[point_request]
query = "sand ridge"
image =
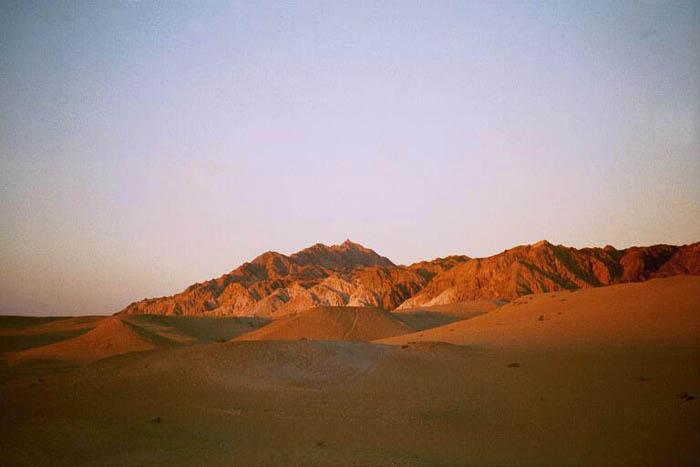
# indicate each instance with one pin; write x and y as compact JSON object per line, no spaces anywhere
{"x":103,"y":337}
{"x":661,"y":311}
{"x":612,"y":380}
{"x":332,"y":323}
{"x":112,"y":336}
{"x":312,"y":403}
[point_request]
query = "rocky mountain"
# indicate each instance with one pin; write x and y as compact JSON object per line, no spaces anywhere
{"x":349,"y":274}
{"x":544,"y":267}
{"x":274,"y":284}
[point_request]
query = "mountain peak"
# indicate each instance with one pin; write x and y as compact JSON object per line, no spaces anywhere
{"x":350,"y":274}
{"x":350,"y":245}
{"x":347,"y":254}
{"x":267,"y":256}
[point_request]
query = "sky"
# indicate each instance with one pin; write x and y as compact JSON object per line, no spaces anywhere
{"x":148,"y":145}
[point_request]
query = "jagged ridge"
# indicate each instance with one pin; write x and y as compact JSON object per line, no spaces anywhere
{"x":274,"y":284}
{"x":544,"y":267}
{"x":349,"y":274}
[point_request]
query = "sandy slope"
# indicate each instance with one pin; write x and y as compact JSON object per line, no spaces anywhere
{"x":191,"y":330}
{"x":20,"y":332}
{"x":433,"y":316}
{"x":609,"y":381}
{"x":467,"y":309}
{"x":10,"y":325}
{"x":661,"y":311}
{"x":332,"y":323}
{"x":95,"y":338}
{"x":111,"y":336}
{"x":355,"y":403}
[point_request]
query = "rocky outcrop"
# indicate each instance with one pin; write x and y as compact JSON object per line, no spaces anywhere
{"x":544,"y":267}
{"x":349,"y":274}
{"x":274,"y":284}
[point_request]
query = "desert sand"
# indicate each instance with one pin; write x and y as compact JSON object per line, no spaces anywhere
{"x":598,"y":376}
{"x":332,"y":324}
{"x":658,"y":312}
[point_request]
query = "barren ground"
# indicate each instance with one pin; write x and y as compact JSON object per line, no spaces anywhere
{"x":606,"y":377}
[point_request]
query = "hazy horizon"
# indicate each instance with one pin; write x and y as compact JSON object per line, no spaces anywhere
{"x":145,"y":146}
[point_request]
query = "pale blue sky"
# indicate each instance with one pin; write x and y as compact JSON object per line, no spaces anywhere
{"x":147,"y":145}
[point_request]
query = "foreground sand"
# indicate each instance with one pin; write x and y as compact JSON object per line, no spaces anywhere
{"x":661,"y":312}
{"x":511,"y":394}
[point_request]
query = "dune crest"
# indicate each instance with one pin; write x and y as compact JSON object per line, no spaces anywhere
{"x":663,"y":311}
{"x":112,"y":336}
{"x":332,"y":324}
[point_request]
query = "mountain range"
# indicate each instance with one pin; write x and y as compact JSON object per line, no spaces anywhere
{"x":349,"y":274}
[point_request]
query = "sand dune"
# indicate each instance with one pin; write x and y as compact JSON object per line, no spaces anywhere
{"x":332,"y":323}
{"x":19,"y":332}
{"x":112,"y":336}
{"x":607,"y":376}
{"x":661,"y":311}
{"x":427,"y":317}
{"x":190,"y":330}
{"x":94,"y":338}
{"x":10,"y":325}
{"x":466,"y":309}
{"x":306,"y":403}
